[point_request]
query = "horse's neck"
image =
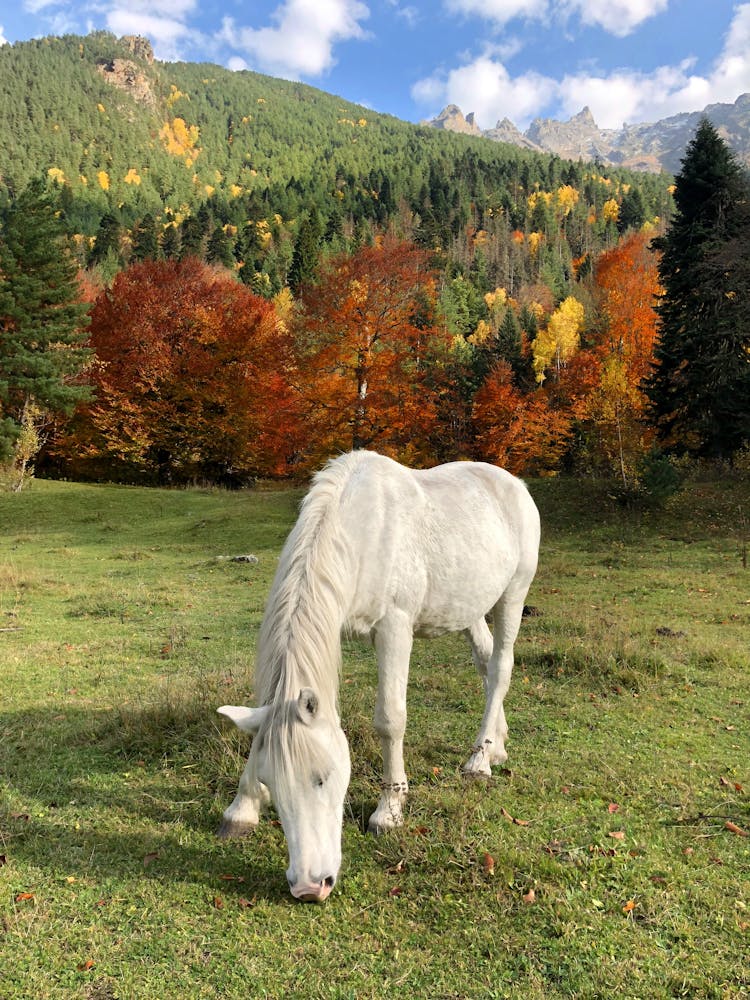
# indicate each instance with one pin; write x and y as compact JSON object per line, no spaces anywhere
{"x":299,"y":643}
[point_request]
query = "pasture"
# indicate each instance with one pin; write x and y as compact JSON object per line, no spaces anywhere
{"x":608,"y":858}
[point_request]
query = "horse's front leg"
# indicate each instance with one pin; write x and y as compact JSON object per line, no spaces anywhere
{"x":241,"y":817}
{"x":393,"y":642}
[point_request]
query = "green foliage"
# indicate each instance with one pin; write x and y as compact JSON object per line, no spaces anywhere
{"x":700,"y":389}
{"x":42,"y":321}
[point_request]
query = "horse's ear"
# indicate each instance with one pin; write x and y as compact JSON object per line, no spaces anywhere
{"x":307,"y":705}
{"x":249,"y":720}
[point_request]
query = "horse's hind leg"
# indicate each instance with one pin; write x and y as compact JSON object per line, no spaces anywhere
{"x":393,"y":642}
{"x":489,"y":747}
{"x":480,"y":638}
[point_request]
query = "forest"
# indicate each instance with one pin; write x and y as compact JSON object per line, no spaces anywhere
{"x":235,"y":276}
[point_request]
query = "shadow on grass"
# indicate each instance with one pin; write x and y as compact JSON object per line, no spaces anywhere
{"x":77,"y":798}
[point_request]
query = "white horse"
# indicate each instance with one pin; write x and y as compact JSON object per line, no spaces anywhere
{"x":388,"y":552}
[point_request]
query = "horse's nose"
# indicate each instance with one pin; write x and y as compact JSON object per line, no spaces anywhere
{"x":313,"y":892}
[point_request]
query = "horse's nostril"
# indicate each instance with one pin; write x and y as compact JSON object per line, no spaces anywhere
{"x":329,"y":881}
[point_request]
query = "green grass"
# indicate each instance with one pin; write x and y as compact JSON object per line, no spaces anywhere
{"x":629,"y":713}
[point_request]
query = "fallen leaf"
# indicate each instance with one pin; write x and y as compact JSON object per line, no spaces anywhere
{"x":488,"y":863}
{"x":436,"y":771}
{"x":397,"y":868}
{"x":70,"y":879}
{"x":149,"y":858}
{"x":513,"y":819}
{"x":218,"y":903}
{"x":22,"y":816}
{"x":395,"y":891}
{"x":529,"y":897}
{"x":733,"y":828}
{"x":245,"y":903}
{"x":23,"y":896}
{"x":617,"y":835}
{"x":629,"y":906}
{"x":85,"y":966}
{"x":232,"y":878}
{"x":3,"y":860}
{"x":613,"y":807}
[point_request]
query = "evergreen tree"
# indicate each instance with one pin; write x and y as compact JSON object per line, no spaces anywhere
{"x":145,"y":239}
{"x":632,"y":213}
{"x":219,"y":249}
{"x":699,"y":391}
{"x":306,"y":251}
{"x":42,"y":321}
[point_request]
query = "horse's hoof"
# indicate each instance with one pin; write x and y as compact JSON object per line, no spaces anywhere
{"x":378,"y":828}
{"x":230,"y":829}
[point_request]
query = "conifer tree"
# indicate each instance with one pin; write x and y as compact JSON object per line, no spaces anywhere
{"x":42,"y":320}
{"x":699,"y":391}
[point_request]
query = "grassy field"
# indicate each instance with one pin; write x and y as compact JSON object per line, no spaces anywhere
{"x":608,"y":859}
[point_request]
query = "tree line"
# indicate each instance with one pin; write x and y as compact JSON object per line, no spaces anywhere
{"x":387,"y":339}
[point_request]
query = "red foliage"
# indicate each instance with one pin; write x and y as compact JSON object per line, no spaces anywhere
{"x":523,"y":433}
{"x":191,"y":377}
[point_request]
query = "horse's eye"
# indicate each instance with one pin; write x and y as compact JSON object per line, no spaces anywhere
{"x":318,"y":780}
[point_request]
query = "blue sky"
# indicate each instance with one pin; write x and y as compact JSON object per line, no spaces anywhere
{"x":628,"y":60}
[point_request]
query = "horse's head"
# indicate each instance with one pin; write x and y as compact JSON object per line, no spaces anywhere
{"x":301,"y":755}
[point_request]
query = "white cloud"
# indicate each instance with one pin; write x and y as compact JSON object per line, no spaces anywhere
{"x":499,"y":11}
{"x":621,"y":95}
{"x":617,"y":17}
{"x":3,"y":39}
{"x":485,"y":87}
{"x":303,"y":37}
{"x":165,"y":33}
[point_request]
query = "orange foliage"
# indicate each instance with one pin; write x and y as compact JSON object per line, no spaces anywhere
{"x":191,"y":377}
{"x":627,"y":285}
{"x":521,"y":432}
{"x":368,"y":353}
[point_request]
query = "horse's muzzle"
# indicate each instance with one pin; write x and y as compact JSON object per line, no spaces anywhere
{"x":313,"y":892}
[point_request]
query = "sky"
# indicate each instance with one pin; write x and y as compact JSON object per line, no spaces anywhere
{"x":629,"y":61}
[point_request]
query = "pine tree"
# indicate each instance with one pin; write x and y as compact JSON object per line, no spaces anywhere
{"x":42,"y":321}
{"x":306,"y":251}
{"x":699,"y":391}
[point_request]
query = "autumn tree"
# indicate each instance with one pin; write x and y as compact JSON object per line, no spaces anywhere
{"x":699,"y":390}
{"x":42,"y":327}
{"x":367,"y":348}
{"x":191,"y":378}
{"x":520,"y":431}
{"x":626,"y":285}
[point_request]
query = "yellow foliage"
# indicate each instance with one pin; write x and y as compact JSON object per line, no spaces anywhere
{"x":497,"y":299}
{"x":83,"y":179}
{"x":100,"y":108}
{"x":103,"y":178}
{"x":481,"y":335}
{"x":209,"y":189}
{"x":536,"y":197}
{"x":235,"y":190}
{"x":567,"y":198}
{"x":534,"y":240}
{"x":57,"y":175}
{"x":175,"y":95}
{"x":284,"y":306}
{"x":561,"y":338}
{"x":261,"y":100}
{"x":179,"y":138}
{"x":610,"y":210}
{"x":132,"y":177}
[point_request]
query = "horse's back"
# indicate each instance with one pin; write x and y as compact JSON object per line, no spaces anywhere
{"x":439,"y":545}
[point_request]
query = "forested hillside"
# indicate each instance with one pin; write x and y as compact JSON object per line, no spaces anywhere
{"x":132,"y":144}
{"x":274,"y":275}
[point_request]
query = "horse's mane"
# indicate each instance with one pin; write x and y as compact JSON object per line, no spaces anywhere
{"x":299,"y":643}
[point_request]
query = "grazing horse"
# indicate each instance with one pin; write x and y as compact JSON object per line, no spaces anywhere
{"x":387,"y":552}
